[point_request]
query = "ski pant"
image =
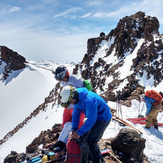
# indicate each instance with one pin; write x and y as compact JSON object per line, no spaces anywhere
{"x":65,"y":132}
{"x":152,"y":115}
{"x":88,"y":142}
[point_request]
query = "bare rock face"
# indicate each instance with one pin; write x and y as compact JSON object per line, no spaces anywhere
{"x":13,"y":59}
{"x":44,"y":137}
{"x":128,"y":29}
{"x":11,"y":157}
{"x":130,"y":143}
{"x":32,"y":149}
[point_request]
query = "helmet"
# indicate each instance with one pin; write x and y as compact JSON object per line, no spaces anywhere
{"x":66,"y":95}
{"x":60,"y":72}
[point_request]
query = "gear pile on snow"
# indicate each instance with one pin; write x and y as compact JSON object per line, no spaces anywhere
{"x":126,"y":146}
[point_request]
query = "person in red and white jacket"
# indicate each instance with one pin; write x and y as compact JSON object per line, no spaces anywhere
{"x":66,"y":128}
{"x":65,"y":78}
{"x":67,"y":117}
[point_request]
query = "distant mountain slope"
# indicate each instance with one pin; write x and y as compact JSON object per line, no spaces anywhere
{"x":21,"y":93}
{"x":25,"y":93}
{"x":28,"y":102}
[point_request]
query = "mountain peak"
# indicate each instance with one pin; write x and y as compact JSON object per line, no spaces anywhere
{"x":134,"y":45}
{"x":12,"y":61}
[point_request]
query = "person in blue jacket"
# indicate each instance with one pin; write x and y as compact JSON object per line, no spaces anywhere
{"x":151,"y":112}
{"x":98,"y":117}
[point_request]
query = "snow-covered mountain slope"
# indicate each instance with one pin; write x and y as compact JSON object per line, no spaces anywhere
{"x":122,"y":68}
{"x":42,"y":73}
{"x":129,"y":54}
{"x":53,"y":115}
{"x":22,"y":92}
{"x":124,"y":60}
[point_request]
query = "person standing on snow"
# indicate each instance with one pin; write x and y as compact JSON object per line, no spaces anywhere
{"x":153,"y":102}
{"x":62,"y":75}
{"x":98,"y":118}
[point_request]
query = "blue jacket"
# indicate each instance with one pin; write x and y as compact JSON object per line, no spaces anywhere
{"x":94,"y":107}
{"x":149,"y":102}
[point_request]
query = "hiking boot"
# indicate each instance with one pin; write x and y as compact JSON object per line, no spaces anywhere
{"x":156,"y":127}
{"x":59,"y":144}
{"x":57,"y":149}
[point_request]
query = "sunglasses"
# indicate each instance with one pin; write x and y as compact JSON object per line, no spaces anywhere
{"x":60,"y":75}
{"x":59,"y":78}
{"x":65,"y":105}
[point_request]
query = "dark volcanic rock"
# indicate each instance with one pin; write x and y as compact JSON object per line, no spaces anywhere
{"x":13,"y":59}
{"x":130,"y":143}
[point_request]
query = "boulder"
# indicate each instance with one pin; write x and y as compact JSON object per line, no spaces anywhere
{"x":130,"y":144}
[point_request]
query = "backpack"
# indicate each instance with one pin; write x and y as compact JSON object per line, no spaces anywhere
{"x":153,"y":94}
{"x":73,"y":153}
{"x":87,"y":84}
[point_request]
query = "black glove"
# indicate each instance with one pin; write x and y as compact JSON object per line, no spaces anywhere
{"x":59,"y":144}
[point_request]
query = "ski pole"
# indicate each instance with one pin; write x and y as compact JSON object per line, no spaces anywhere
{"x":120,"y":108}
{"x":114,"y":157}
{"x":125,"y":123}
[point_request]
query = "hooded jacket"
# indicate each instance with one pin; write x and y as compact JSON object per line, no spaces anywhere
{"x":149,"y":102}
{"x":67,"y":117}
{"x":94,"y":107}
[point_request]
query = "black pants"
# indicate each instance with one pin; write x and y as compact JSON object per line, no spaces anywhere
{"x":88,"y":142}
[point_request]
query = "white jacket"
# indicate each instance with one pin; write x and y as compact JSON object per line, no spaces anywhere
{"x":74,"y":81}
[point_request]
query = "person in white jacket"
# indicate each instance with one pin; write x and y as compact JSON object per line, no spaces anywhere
{"x":62,"y":75}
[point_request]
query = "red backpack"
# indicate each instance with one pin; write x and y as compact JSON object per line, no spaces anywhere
{"x":153,"y":94}
{"x":73,"y":153}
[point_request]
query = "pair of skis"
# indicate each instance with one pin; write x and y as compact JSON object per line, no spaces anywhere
{"x":116,"y":118}
{"x":140,"y":121}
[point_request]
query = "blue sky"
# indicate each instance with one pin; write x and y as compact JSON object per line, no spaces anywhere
{"x":58,"y":30}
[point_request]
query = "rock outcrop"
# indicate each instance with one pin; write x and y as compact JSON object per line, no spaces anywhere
{"x":13,"y":61}
{"x":130,"y":144}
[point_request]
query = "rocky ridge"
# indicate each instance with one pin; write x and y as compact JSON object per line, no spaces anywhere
{"x":149,"y":57}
